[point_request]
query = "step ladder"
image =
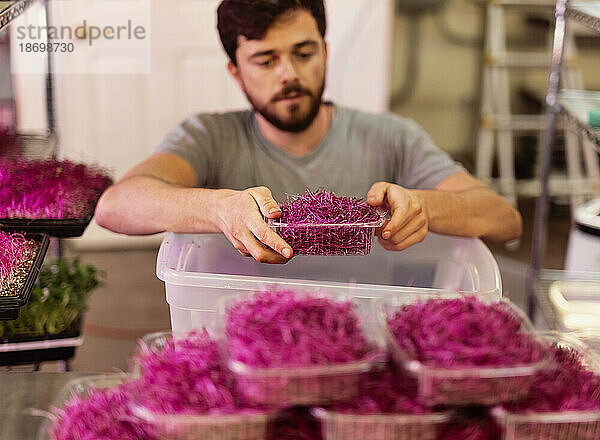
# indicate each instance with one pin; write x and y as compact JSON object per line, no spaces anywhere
{"x":498,"y":126}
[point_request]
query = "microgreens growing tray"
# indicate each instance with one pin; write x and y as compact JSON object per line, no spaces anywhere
{"x":62,"y":228}
{"x":11,"y":302}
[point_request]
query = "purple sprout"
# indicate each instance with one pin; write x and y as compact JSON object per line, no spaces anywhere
{"x":49,"y":189}
{"x":101,"y":415}
{"x":348,"y":224}
{"x":291,"y":329}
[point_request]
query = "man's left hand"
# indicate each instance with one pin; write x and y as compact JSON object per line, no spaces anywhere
{"x":409,"y":223}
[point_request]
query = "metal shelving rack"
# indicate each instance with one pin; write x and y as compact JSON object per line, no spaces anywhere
{"x":36,"y":146}
{"x":32,"y":145}
{"x":575,"y":105}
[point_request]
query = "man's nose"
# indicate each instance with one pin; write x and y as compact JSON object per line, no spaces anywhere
{"x":287,"y":70}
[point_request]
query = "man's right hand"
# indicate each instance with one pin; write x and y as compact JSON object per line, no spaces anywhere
{"x":241,"y":220}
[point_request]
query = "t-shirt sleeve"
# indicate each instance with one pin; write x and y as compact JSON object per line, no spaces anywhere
{"x":192,"y":141}
{"x":421,"y":164}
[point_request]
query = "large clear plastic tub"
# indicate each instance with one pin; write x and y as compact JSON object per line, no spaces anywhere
{"x":460,"y":386}
{"x":564,"y":425}
{"x":311,"y":385}
{"x":339,"y":426}
{"x":199,"y":269}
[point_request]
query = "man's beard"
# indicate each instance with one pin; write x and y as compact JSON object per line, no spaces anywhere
{"x":296,"y":122}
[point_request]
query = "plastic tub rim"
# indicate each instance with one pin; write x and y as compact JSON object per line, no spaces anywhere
{"x":186,"y":279}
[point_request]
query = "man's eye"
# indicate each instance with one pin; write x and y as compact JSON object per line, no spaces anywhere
{"x":305,"y":54}
{"x":266,"y":63}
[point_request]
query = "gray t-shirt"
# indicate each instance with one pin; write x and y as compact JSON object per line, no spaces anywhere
{"x":228,"y":151}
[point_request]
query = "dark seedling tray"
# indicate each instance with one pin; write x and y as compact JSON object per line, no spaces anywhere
{"x":61,"y":228}
{"x":9,"y":305}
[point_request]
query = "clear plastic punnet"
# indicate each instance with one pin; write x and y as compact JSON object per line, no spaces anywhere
{"x":247,"y":425}
{"x":307,"y":385}
{"x":564,"y":425}
{"x":340,"y":426}
{"x":328,"y":238}
{"x":460,"y":386}
{"x":199,"y":269}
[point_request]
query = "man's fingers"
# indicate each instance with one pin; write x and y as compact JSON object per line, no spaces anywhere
{"x":238,"y":245}
{"x":267,"y":236}
{"x":376,"y":195}
{"x":265,"y":201}
{"x":260,"y":252}
{"x":411,"y":240}
{"x":400,"y":219}
{"x":407,"y":230}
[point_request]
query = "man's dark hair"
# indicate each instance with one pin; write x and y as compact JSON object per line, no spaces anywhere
{"x":253,"y":18}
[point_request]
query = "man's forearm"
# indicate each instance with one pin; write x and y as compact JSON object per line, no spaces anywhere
{"x":476,"y":212}
{"x":144,"y":205}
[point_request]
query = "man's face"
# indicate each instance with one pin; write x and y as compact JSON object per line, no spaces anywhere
{"x":283,"y":75}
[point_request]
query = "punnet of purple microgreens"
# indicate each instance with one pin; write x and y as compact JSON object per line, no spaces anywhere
{"x":296,"y":348}
{"x":283,"y":328}
{"x":100,"y":415}
{"x":464,"y":332}
{"x":49,"y":189}
{"x":16,"y":257}
{"x":321,"y":223}
{"x":568,"y":385}
{"x":187,"y":376}
{"x":454,"y":340}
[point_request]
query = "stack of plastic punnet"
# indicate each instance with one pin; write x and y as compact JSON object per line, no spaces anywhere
{"x":203,"y":273}
{"x":323,"y":385}
{"x":563,"y":425}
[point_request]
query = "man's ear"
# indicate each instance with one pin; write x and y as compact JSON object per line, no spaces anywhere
{"x":234,"y":71}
